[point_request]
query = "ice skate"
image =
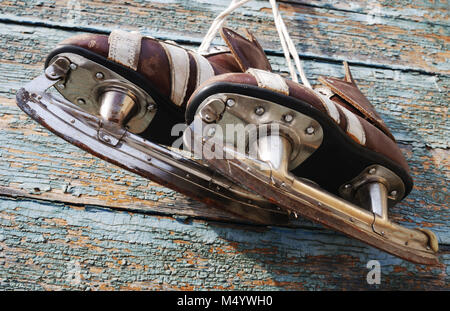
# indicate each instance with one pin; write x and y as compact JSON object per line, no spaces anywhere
{"x":119,"y":98}
{"x":323,"y":154}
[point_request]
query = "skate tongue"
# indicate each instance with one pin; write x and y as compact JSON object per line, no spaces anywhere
{"x":248,"y":52}
{"x":348,"y":91}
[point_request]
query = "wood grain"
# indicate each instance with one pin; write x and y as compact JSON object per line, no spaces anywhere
{"x":54,"y":247}
{"x":370,"y":36}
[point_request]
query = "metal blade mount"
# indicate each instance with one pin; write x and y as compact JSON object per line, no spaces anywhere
{"x":306,"y":199}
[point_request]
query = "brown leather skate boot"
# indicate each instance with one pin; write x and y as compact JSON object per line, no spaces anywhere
{"x":122,"y":98}
{"x":324,"y":154}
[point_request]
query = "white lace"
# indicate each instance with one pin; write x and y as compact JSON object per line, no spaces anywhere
{"x":287,"y":44}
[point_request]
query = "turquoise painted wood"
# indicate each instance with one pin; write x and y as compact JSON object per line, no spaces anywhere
{"x":71,"y":221}
{"x":56,"y":246}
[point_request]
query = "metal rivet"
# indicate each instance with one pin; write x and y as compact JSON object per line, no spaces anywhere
{"x":211,"y":131}
{"x":310,"y":130}
{"x":73,"y":66}
{"x":394,"y":193}
{"x":99,"y":76}
{"x":151,"y":107}
{"x":372,"y":171}
{"x":72,"y":121}
{"x":259,"y":111}
{"x":107,"y":139}
{"x":81,"y":101}
{"x":347,"y":186}
{"x":231,"y":102}
{"x":39,"y":97}
{"x":288,"y":118}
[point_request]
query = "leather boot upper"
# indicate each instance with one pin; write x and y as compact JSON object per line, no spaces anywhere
{"x":175,"y":71}
{"x":363,"y":131}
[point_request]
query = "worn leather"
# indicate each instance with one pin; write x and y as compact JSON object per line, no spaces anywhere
{"x":347,"y":94}
{"x":154,"y":63}
{"x":247,"y":51}
{"x":375,"y":139}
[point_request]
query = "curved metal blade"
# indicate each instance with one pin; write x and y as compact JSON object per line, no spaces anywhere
{"x":140,"y":156}
{"x":303,"y":198}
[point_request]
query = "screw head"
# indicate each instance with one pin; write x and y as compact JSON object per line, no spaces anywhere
{"x":99,"y":76}
{"x":288,"y":118}
{"x":81,"y":101}
{"x":151,"y":107}
{"x":259,"y":111}
{"x":394,"y":193}
{"x":230,"y":102}
{"x":73,"y":66}
{"x":310,"y":130}
{"x":372,"y":171}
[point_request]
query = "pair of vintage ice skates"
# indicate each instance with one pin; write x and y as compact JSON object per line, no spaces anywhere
{"x":256,"y":144}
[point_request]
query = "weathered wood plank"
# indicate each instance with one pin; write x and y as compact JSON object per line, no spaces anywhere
{"x":38,"y":164}
{"x":319,"y":31}
{"x":46,"y":244}
{"x":425,"y":11}
{"x":54,"y":247}
{"x":425,"y":97}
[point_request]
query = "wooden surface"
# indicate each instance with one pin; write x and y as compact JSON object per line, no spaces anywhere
{"x":62,"y":210}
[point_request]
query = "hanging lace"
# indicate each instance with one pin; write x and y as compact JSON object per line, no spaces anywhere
{"x":287,"y":44}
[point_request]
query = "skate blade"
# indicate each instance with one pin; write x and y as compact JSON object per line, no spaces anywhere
{"x":135,"y":154}
{"x":303,"y":198}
